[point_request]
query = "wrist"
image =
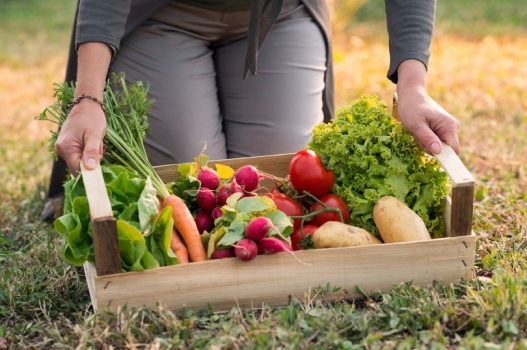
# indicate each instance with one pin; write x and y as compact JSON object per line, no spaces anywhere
{"x":85,"y":97}
{"x":411,"y":74}
{"x":92,"y":69}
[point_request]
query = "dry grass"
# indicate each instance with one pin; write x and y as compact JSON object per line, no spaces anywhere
{"x":25,"y":91}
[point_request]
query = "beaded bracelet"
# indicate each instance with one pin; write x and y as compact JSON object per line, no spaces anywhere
{"x":82,"y":97}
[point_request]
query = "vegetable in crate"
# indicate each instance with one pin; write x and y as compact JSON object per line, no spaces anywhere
{"x":398,"y":223}
{"x":334,"y":234}
{"x":230,"y":228}
{"x":198,"y":184}
{"x":302,"y":237}
{"x":307,"y":173}
{"x":288,"y":205}
{"x":331,"y":201}
{"x":372,"y":156}
{"x":144,"y":234}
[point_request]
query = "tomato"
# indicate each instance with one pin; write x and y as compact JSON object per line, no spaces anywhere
{"x":308,"y":174}
{"x":298,"y":241}
{"x":288,"y":205}
{"x":332,"y":201}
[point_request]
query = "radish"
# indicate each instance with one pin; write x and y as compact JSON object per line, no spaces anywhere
{"x":216,"y":213}
{"x":227,"y":190}
{"x":204,"y":221}
{"x":248,"y":177}
{"x":245,"y":249}
{"x":258,"y":228}
{"x":271,"y":245}
{"x":223,"y":253}
{"x":206,"y":199}
{"x":209,"y":178}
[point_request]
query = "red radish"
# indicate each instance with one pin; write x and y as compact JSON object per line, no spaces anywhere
{"x":216,"y":213}
{"x":209,"y":178}
{"x":245,"y":249}
{"x":227,"y":190}
{"x":248,"y":177}
{"x":258,"y":228}
{"x":222,"y":253}
{"x":271,"y":245}
{"x":206,"y":199}
{"x":204,"y":221}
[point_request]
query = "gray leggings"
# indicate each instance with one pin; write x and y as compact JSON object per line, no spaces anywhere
{"x":193,"y":59}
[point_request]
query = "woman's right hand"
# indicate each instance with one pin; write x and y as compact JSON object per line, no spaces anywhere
{"x":81,"y":136}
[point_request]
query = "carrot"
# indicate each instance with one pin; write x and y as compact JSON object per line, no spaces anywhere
{"x":177,"y":246}
{"x":186,"y":226}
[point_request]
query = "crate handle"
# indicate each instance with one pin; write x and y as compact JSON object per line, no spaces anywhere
{"x":462,"y":195}
{"x":104,"y":225}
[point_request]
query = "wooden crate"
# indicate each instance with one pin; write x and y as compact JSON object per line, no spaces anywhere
{"x":278,"y":279}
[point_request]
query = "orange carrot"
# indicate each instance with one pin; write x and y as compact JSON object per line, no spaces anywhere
{"x":186,"y":226}
{"x":177,"y":246}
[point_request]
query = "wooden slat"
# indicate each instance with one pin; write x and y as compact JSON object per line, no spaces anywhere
{"x":91,"y":273}
{"x":104,"y":226}
{"x":461,"y":211}
{"x":454,"y":167}
{"x":98,"y":200}
{"x":275,"y":279}
{"x":447,"y":215}
{"x":395,"y":107}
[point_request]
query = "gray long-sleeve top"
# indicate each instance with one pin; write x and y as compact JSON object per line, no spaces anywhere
{"x":410,"y":27}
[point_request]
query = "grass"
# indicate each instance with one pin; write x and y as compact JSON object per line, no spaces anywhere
{"x":477,"y":72}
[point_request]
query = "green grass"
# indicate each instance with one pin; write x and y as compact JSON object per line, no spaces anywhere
{"x":44,"y":302}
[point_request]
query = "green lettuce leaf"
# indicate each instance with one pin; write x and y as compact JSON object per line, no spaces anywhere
{"x":132,"y":246}
{"x":161,"y":235}
{"x":147,"y":205}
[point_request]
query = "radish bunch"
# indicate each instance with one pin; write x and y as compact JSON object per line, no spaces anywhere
{"x":242,"y":226}
{"x":213,"y":194}
{"x":256,"y":240}
{"x":207,"y":198}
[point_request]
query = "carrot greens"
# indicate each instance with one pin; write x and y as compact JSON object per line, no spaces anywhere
{"x":126,"y":108}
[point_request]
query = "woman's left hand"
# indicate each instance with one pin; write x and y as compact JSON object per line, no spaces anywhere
{"x":424,"y":118}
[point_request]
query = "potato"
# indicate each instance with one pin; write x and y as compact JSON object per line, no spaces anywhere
{"x":396,"y":222}
{"x":334,"y":234}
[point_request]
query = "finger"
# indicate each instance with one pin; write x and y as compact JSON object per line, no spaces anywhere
{"x":447,"y":132}
{"x":91,"y":155}
{"x":72,"y":156}
{"x":73,"y":164}
{"x":452,"y":140}
{"x":429,"y":142}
